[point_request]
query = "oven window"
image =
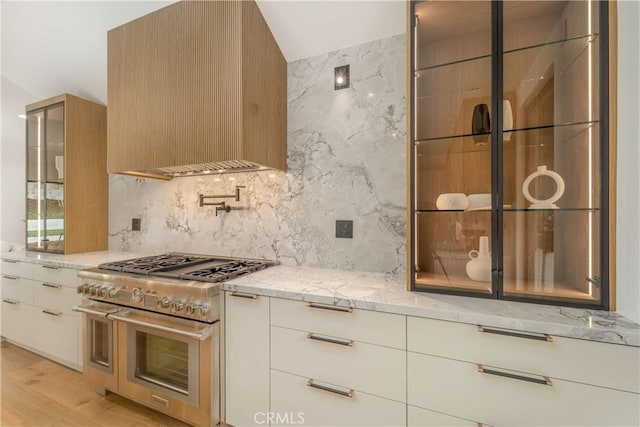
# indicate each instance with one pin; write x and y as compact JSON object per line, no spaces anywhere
{"x":100,"y":342}
{"x":163,"y":361}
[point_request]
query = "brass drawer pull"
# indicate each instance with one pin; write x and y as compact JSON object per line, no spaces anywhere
{"x":243,"y":295}
{"x":10,"y":301}
{"x":345,"y":393}
{"x":6,"y":276}
{"x":330,"y":307}
{"x":49,"y":285}
{"x":543,"y":380}
{"x":52,"y":313}
{"x":346,"y":343}
{"x":529,"y":336}
{"x":51,"y":267}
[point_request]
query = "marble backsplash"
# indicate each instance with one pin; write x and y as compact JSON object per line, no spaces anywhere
{"x":346,"y":161}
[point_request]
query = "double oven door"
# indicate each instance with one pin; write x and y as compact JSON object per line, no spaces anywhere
{"x":166,"y":363}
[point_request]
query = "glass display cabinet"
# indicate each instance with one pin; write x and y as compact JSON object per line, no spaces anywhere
{"x":509,"y":179}
{"x":67,"y":182}
{"x":45,"y":179}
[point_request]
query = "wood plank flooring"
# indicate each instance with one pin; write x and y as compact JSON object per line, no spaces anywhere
{"x":37,"y":392}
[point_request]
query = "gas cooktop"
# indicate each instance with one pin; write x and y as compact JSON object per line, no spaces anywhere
{"x":202,"y":268}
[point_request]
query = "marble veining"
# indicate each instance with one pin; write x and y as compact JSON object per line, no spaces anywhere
{"x":387,"y":293}
{"x":346,"y":161}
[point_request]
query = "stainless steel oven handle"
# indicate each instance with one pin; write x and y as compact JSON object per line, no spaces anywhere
{"x":81,"y":309}
{"x":200,"y":336}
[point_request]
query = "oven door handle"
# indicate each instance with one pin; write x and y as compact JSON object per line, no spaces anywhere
{"x":88,"y":310}
{"x":200,"y":336}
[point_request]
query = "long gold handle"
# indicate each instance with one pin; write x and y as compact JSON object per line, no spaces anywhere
{"x":346,"y":393}
{"x":508,"y":333}
{"x":542,"y":380}
{"x":330,"y":307}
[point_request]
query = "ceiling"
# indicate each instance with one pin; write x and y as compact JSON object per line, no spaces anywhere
{"x":51,"y":47}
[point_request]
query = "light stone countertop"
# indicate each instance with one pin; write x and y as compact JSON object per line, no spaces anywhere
{"x":75,"y":261}
{"x":387,"y":293}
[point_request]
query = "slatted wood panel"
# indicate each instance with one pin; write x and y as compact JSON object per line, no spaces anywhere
{"x":86,"y":184}
{"x":195,"y":82}
{"x":86,"y":179}
{"x":264,"y":71}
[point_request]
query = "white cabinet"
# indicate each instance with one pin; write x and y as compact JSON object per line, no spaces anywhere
{"x":486,"y":395}
{"x":17,"y":321}
{"x":503,"y":377}
{"x":247,"y":358}
{"x":324,"y":404}
{"x":36,"y":310}
{"x":418,"y":417}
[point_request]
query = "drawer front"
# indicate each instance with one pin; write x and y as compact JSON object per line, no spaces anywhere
{"x":365,"y":367}
{"x":304,"y":405}
{"x":17,"y":288}
{"x":565,"y":358}
{"x":459,"y":388}
{"x":17,"y":322}
{"x":17,"y":268}
{"x":57,"y":335}
{"x":418,"y":417}
{"x":56,"y":297}
{"x":58,"y":275}
{"x":361,"y":325}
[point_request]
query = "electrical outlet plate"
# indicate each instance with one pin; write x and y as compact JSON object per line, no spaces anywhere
{"x":344,"y":229}
{"x":135,"y":224}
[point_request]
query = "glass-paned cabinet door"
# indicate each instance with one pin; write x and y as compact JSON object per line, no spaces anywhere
{"x":551,"y":151}
{"x":452,"y":156}
{"x":45,"y":179}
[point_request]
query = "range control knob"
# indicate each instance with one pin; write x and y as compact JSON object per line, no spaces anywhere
{"x":104,"y":291}
{"x":190,"y":309}
{"x":164,"y":302}
{"x":203,"y":311}
{"x":136,"y":295}
{"x":94,"y":289}
{"x":113,"y":293}
{"x":177,"y":306}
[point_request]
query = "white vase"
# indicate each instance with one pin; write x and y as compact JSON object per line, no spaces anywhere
{"x":507,"y":120}
{"x":479,"y":268}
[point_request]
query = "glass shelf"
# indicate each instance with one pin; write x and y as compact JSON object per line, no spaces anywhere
{"x":417,"y":71}
{"x":452,"y":282}
{"x":586,"y":38}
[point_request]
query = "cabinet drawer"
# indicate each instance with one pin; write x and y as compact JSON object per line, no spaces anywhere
{"x":17,"y":288}
{"x":17,"y":322}
{"x":56,"y":297}
{"x":58,"y":275}
{"x":361,"y":325}
{"x":459,"y":388}
{"x":305,"y":405}
{"x":606,"y":365}
{"x":418,"y":417}
{"x":17,"y":268}
{"x":365,"y":367}
{"x":57,"y":335}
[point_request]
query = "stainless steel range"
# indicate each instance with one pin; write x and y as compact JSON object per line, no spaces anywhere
{"x":152,"y":330}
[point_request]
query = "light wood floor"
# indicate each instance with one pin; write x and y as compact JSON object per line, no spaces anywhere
{"x":38,"y":392}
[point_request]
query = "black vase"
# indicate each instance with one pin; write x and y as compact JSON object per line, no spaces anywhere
{"x":480,"y":124}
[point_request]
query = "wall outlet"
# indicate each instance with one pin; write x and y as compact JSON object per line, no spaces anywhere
{"x":135,"y":224}
{"x":344,"y":229}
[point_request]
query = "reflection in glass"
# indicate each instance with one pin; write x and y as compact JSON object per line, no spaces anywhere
{"x":163,"y":361}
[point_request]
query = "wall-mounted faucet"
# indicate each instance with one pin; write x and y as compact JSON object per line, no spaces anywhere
{"x":221,"y":206}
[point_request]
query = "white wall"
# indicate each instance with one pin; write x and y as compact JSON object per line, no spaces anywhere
{"x":12,"y":162}
{"x":628,"y":181}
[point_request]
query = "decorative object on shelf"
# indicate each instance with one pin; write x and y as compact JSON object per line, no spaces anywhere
{"x":479,"y":201}
{"x":547,"y":203}
{"x":452,"y":202}
{"x":507,"y":120}
{"x":60,"y":166}
{"x":221,"y":206}
{"x":480,"y":124}
{"x":341,"y":77}
{"x":479,"y":268}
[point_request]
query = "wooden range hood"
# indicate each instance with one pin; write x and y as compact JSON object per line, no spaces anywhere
{"x":196,"y":87}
